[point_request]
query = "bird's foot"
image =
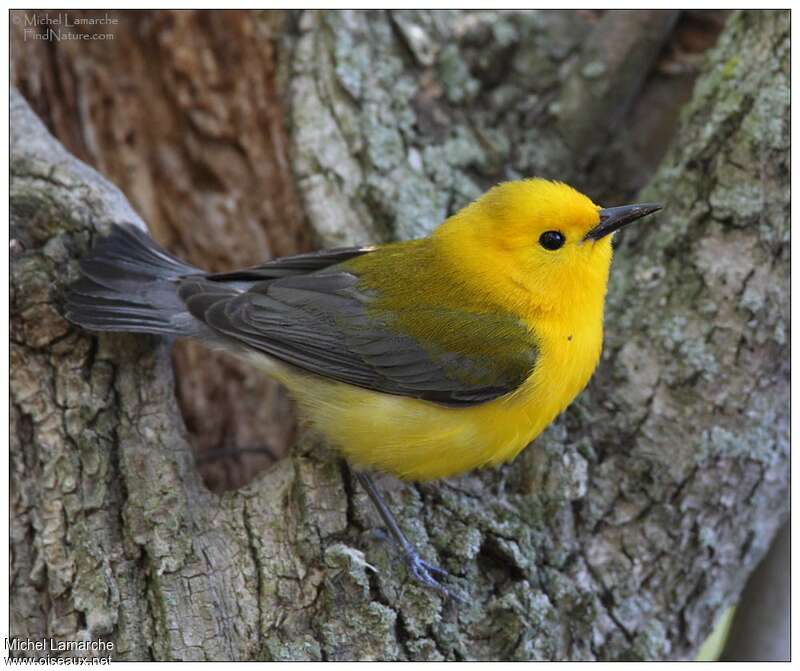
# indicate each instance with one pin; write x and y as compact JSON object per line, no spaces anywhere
{"x":424,"y":573}
{"x":419,"y":569}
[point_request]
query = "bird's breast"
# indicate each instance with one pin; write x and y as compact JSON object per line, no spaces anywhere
{"x":569,"y":350}
{"x":419,"y":440}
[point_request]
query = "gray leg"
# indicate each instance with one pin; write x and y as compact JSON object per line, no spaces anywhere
{"x":417,"y":567}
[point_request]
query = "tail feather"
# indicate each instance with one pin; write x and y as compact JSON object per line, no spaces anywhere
{"x":130,"y":284}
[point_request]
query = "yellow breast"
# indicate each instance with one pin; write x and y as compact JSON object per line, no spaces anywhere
{"x":418,"y":440}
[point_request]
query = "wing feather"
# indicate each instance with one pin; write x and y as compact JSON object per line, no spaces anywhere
{"x":324,"y":323}
{"x":287,"y":266}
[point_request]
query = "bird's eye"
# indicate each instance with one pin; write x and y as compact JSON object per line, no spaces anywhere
{"x":552,"y":240}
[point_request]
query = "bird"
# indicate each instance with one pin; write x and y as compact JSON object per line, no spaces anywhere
{"x":421,"y":358}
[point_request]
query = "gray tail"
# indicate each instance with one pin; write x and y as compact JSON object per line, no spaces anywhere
{"x":130,"y":284}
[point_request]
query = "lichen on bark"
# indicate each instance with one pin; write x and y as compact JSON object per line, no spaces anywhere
{"x":619,"y":534}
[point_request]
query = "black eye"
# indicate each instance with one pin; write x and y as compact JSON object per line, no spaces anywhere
{"x":552,"y":240}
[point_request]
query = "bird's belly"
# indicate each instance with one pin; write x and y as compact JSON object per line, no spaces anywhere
{"x":418,"y":440}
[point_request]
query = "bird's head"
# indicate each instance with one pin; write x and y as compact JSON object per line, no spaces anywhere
{"x":539,"y":241}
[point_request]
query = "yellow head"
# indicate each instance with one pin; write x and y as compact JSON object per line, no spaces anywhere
{"x":537,"y":244}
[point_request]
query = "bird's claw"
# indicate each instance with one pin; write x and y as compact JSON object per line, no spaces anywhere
{"x":423,"y":572}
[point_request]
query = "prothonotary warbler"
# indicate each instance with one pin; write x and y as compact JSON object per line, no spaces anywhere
{"x":423,"y":358}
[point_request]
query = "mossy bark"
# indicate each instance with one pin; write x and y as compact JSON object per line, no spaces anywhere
{"x":621,"y":533}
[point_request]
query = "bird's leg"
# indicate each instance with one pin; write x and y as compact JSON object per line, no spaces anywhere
{"x":420,"y":569}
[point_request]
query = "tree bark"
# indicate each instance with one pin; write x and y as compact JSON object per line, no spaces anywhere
{"x":182,"y":113}
{"x":621,"y":533}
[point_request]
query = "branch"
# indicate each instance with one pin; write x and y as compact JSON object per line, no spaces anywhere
{"x":630,"y":523}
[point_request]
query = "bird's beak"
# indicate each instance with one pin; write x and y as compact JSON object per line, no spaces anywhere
{"x":614,"y":218}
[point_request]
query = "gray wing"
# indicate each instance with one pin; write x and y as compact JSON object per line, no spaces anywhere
{"x":322,"y":323}
{"x":286,"y":266}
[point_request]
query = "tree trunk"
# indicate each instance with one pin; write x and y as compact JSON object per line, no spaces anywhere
{"x":620,"y":534}
{"x":198,"y":145}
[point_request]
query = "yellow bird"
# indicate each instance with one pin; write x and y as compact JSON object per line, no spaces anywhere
{"x":422,"y":359}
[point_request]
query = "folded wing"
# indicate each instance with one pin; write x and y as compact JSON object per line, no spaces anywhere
{"x":325,"y":324}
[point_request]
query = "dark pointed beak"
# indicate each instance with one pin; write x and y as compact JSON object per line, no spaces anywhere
{"x":614,"y":218}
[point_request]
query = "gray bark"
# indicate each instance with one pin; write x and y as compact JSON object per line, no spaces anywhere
{"x":621,"y":533}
